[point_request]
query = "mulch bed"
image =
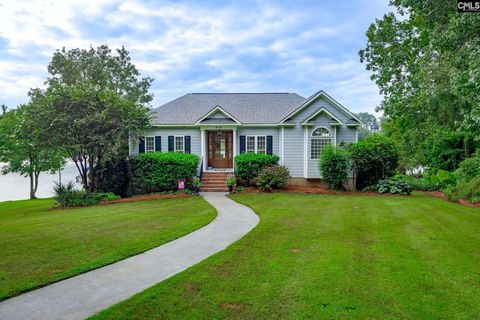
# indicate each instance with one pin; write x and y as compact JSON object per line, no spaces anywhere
{"x":146,"y":197}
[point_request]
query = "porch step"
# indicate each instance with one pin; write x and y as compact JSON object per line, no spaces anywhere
{"x":202,"y":189}
{"x":214,"y":182}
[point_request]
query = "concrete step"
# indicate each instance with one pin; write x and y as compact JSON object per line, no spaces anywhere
{"x":223,"y":185}
{"x":203,"y":189}
{"x":214,"y":180}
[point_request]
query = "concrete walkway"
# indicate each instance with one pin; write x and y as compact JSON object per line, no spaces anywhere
{"x":87,"y":294}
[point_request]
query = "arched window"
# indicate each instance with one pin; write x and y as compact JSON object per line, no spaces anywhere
{"x":321,"y":137}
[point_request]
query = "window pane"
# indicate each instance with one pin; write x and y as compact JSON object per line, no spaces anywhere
{"x":321,"y":132}
{"x":317,"y":145}
{"x":179,"y":144}
{"x":261,"y":144}
{"x":149,"y":144}
{"x":250,"y":144}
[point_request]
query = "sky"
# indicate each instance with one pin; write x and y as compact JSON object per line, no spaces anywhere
{"x":200,"y":46}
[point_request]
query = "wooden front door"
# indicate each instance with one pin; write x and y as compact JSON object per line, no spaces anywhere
{"x":220,"y":149}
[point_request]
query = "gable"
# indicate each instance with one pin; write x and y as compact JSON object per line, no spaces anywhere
{"x":323,"y":112}
{"x":315,"y":103}
{"x":319,"y":107}
{"x":217,"y":115}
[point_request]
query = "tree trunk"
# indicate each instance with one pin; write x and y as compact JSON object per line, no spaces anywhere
{"x":33,"y":190}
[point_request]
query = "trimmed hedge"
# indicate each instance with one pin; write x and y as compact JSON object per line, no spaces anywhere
{"x":249,"y":165}
{"x":274,"y":177}
{"x":373,"y":159}
{"x":163,"y":170}
{"x":334,"y":164}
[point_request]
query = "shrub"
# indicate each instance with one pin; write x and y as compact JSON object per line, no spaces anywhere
{"x":464,"y":189}
{"x":334,"y":165}
{"x":441,"y":179}
{"x":444,"y":150}
{"x":274,"y":177}
{"x":114,"y":176}
{"x":163,"y":170}
{"x":67,"y":196}
{"x":416,"y":183}
{"x":393,"y":186}
{"x":373,"y":159}
{"x":249,"y":165}
{"x":470,"y":167}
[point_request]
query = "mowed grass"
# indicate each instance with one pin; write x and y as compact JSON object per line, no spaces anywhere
{"x":331,"y":257}
{"x":39,"y":246}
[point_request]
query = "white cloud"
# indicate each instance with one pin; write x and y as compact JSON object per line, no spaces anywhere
{"x":188,"y":47}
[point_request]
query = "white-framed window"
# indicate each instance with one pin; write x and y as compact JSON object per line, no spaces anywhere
{"x":250,"y":144}
{"x":321,"y":137}
{"x":150,"y":144}
{"x":262,"y":144}
{"x":256,"y":144}
{"x":179,"y":144}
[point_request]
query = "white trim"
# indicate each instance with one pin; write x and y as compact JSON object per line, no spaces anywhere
{"x":320,"y":127}
{"x":332,"y":138}
{"x":356,"y":134}
{"x":215,"y":109}
{"x":314,"y":98}
{"x":234,"y":144}
{"x":335,"y":137}
{"x":318,"y":112}
{"x":233,"y":125}
{"x":203,"y":149}
{"x":255,"y":142}
{"x":305,"y":152}
{"x":354,"y":124}
{"x":175,"y":143}
{"x":282,"y":146}
{"x":145,"y":137}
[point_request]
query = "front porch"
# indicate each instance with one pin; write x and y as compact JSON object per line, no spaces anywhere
{"x":218,"y":149}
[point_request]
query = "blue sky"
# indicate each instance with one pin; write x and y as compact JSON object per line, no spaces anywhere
{"x":200,"y":46}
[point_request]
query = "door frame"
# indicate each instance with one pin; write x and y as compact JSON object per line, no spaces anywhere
{"x":229,"y":134}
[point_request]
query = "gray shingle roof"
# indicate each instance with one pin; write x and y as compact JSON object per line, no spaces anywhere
{"x":245,"y":107}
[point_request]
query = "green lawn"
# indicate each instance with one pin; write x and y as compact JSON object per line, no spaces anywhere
{"x":331,"y":257}
{"x":40,"y":246}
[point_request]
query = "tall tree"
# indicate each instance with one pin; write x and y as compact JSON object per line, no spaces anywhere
{"x":4,"y":109}
{"x":23,"y":149}
{"x":93,"y":100}
{"x":368,"y":119}
{"x":425,"y":59}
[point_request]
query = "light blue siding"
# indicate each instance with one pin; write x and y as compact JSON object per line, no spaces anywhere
{"x":293,"y":152}
{"x":294,"y":137}
{"x":254,"y":131}
{"x":194,"y":133}
{"x":346,"y":134}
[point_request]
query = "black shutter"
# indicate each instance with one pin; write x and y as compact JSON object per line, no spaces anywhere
{"x":170,"y":144}
{"x":242,"y":144}
{"x":141,"y":145}
{"x":187,"y":144}
{"x":158,"y":143}
{"x":269,"y":145}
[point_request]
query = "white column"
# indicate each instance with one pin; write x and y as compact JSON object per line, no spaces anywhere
{"x":281,"y":146}
{"x":234,"y":146}
{"x":335,"y":137}
{"x":305,"y":152}
{"x":203,"y":148}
